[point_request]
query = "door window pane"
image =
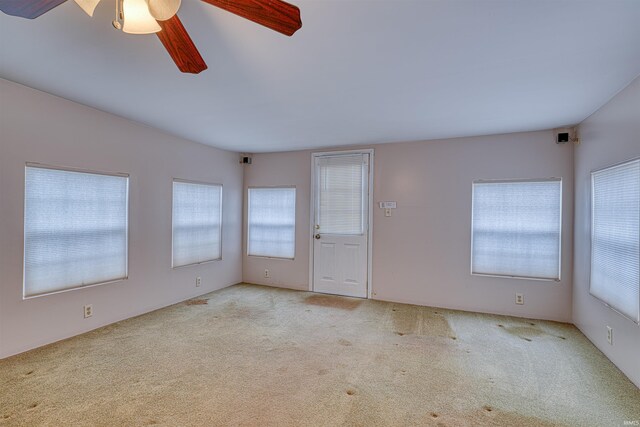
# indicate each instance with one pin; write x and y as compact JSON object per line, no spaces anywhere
{"x":341,"y":189}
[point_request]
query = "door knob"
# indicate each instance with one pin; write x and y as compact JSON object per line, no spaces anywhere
{"x":317,"y":236}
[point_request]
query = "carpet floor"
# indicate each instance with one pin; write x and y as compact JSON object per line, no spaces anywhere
{"x":257,"y":356}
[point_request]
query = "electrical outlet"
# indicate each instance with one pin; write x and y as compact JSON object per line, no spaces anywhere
{"x":610,"y":335}
{"x":198,"y":282}
{"x":267,"y":274}
{"x":520,"y":299}
{"x":88,"y":310}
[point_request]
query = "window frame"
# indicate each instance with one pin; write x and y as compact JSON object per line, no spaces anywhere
{"x":221,"y":228}
{"x":591,"y":235}
{"x":560,"y":230}
{"x":127,"y":177}
{"x":295,"y":222}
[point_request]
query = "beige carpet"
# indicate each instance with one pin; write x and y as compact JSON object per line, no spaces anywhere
{"x":253,"y":355}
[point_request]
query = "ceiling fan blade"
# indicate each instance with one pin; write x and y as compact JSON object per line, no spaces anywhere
{"x":275,"y":14}
{"x":176,"y":40}
{"x":29,"y":9}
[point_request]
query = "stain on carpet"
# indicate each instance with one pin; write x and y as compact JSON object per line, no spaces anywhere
{"x":197,"y":301}
{"x":489,"y":416}
{"x":238,"y":310}
{"x":362,"y":409}
{"x":414,"y":320}
{"x":485,"y":416}
{"x":527,"y":333}
{"x":342,"y":303}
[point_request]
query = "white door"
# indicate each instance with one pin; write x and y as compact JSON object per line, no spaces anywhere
{"x":341,"y":226}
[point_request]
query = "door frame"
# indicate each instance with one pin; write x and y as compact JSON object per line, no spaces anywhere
{"x":312,"y":213}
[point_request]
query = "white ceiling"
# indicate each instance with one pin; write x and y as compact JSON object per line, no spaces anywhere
{"x":358,"y":72}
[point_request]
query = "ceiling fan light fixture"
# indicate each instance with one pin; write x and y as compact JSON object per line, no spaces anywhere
{"x":137,"y":18}
{"x":162,"y":10}
{"x":89,"y":6}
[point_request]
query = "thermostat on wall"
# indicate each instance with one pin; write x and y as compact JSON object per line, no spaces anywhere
{"x":387,"y":205}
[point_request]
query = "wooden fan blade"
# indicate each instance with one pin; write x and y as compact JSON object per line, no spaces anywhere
{"x":275,"y":14}
{"x":176,"y":40}
{"x":29,"y":9}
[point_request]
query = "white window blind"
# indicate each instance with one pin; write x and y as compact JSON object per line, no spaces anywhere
{"x":272,"y":222}
{"x":75,"y":229}
{"x":197,"y":223}
{"x":516,"y":228}
{"x":342,"y":186}
{"x":615,"y":237}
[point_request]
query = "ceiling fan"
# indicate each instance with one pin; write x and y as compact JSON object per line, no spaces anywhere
{"x":160,"y":17}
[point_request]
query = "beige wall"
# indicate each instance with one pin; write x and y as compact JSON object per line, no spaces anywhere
{"x":281,"y":169}
{"x":37,"y":127}
{"x":609,"y":136}
{"x":421,"y":255}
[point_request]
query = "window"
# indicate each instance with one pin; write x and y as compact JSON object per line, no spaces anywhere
{"x":75,"y":229}
{"x":615,"y":237}
{"x":516,"y":228}
{"x":342,"y":188}
{"x":197,"y":223}
{"x":272,"y":222}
